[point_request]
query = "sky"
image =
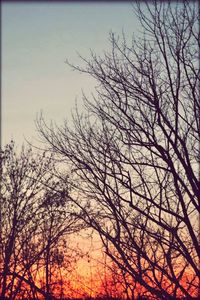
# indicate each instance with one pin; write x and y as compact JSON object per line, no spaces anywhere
{"x":37,"y":38}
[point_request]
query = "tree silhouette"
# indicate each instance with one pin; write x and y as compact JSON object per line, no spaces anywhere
{"x":134,"y":152}
{"x":35,"y":222}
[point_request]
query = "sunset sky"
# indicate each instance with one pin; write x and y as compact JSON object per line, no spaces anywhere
{"x":111,"y":209}
{"x":37,"y":38}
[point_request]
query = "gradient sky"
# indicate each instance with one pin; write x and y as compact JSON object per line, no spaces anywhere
{"x":37,"y":38}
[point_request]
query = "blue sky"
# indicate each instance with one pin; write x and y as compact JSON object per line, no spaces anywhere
{"x":37,"y":38}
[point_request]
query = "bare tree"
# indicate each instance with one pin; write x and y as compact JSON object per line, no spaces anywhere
{"x":58,"y":223}
{"x":135,"y":155}
{"x":35,"y":221}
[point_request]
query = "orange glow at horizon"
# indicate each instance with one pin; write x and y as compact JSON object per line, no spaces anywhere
{"x":91,"y":285}
{"x":94,"y":275}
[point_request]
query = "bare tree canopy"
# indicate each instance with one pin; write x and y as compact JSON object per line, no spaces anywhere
{"x":135,"y":154}
{"x":35,"y":221}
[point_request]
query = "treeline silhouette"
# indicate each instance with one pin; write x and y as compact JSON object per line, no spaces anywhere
{"x":102,"y":298}
{"x":126,"y":169}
